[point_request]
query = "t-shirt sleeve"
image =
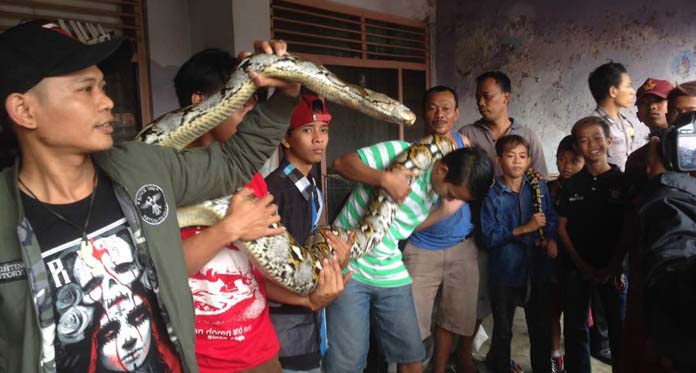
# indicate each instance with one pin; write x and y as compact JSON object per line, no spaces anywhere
{"x":563,"y":200}
{"x":378,"y":156}
{"x":258,"y":185}
{"x":537,"y":153}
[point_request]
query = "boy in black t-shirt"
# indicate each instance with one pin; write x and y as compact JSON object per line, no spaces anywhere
{"x":569,"y":162}
{"x":591,"y":216}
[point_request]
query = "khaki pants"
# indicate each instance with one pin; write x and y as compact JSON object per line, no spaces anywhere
{"x":454,"y":272}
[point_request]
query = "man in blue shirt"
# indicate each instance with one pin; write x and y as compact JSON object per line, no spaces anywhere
{"x":442,"y":256}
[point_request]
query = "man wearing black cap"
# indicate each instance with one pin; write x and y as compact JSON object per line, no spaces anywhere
{"x":92,"y":276}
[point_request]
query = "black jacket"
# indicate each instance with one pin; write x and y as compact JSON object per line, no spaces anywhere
{"x":668,"y":225}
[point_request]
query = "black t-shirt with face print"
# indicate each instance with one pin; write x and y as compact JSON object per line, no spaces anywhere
{"x":106,"y":312}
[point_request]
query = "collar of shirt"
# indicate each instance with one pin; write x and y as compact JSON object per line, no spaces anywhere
{"x":586,"y":174}
{"x":501,"y":188}
{"x":305,"y":184}
{"x":604,"y":115}
{"x":679,"y":180}
{"x":481,"y":123}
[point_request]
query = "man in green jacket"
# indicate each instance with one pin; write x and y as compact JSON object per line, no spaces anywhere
{"x":92,"y":276}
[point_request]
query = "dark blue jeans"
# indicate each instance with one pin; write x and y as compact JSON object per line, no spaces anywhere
{"x":577,"y":296}
{"x":504,"y":301}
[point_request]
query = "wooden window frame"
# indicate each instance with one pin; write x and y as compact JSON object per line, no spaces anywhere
{"x":362,"y":62}
{"x":133,"y":24}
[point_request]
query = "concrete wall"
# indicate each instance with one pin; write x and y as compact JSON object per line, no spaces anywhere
{"x":252,"y":21}
{"x":548,"y":48}
{"x":177,"y":29}
{"x":169,"y":33}
{"x":211,"y":24}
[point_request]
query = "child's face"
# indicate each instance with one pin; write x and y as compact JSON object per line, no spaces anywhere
{"x":308,"y":143}
{"x":569,"y":163}
{"x":592,"y":143}
{"x":515,"y":161}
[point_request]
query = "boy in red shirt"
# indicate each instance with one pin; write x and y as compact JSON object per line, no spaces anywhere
{"x":234,"y":332}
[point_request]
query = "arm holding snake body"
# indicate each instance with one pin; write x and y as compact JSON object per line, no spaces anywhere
{"x":394,"y":182}
{"x":246,"y":219}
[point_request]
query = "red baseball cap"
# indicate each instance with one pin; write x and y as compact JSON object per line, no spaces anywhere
{"x":310,"y":109}
{"x":657,"y":87}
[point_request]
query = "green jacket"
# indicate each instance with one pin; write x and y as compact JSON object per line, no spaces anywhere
{"x":27,"y":320}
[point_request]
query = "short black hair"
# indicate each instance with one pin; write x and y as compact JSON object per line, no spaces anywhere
{"x":605,"y":77}
{"x":206,"y":72}
{"x":590,"y":121}
{"x":470,"y":166}
{"x":500,"y":78}
{"x":510,"y":141}
{"x":438,"y":89}
{"x":567,"y":144}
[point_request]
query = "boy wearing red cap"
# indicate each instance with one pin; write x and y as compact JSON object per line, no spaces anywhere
{"x":651,"y":101}
{"x":300,"y":204}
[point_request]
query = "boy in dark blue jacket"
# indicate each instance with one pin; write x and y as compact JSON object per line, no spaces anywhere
{"x":512,"y":219}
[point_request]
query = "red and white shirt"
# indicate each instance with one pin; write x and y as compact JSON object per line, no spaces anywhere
{"x":233,"y":328}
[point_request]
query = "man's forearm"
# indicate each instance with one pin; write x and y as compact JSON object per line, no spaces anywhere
{"x":352,"y":168}
{"x":568,"y":246}
{"x":279,"y":294}
{"x":201,"y":248}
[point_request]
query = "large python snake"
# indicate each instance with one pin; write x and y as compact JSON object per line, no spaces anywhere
{"x":181,"y":127}
{"x":293,"y":265}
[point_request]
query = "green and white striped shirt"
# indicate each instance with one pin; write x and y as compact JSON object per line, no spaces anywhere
{"x":383,"y":267}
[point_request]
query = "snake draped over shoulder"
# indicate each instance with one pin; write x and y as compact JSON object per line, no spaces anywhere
{"x":293,"y":265}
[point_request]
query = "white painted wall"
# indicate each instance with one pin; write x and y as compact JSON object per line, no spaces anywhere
{"x":211,"y":24}
{"x":252,"y":21}
{"x":169,"y":34}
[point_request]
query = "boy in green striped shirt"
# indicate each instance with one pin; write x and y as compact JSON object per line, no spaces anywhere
{"x":381,"y":286}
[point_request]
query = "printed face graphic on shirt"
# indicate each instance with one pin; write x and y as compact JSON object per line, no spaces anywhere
{"x":111,"y":265}
{"x":124,"y":333}
{"x":104,"y":305}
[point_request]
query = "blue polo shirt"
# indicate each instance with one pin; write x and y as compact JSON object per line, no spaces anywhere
{"x":448,"y":231}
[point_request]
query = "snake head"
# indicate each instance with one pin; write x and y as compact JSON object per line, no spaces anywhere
{"x":406,"y":115}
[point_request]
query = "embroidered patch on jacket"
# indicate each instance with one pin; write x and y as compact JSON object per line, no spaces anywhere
{"x":12,"y":271}
{"x":152,"y":204}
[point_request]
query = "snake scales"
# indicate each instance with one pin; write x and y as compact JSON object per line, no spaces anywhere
{"x":293,"y":265}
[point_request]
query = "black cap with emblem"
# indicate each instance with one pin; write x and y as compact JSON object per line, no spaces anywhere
{"x":38,"y":49}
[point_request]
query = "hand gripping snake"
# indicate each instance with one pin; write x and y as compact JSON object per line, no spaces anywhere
{"x":280,"y":257}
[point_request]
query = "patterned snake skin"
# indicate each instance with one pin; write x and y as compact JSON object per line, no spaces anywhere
{"x":293,"y":265}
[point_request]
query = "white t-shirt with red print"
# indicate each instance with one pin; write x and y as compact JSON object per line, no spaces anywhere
{"x":233,"y":328}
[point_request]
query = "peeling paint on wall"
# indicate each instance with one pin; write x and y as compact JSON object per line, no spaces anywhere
{"x":548,"y":48}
